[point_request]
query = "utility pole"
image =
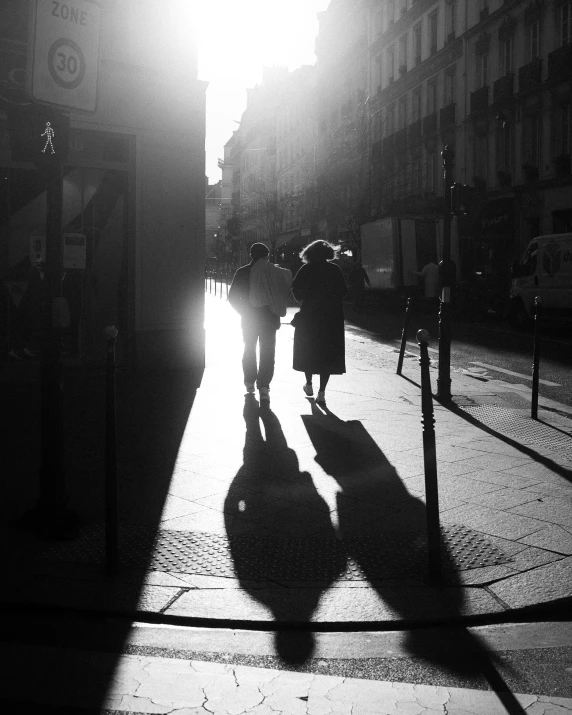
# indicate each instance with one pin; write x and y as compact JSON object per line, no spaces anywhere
{"x":447,"y":279}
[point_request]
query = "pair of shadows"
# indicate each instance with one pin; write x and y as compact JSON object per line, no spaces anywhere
{"x":271,"y":492}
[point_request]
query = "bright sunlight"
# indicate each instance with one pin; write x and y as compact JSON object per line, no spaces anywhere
{"x":236,"y":40}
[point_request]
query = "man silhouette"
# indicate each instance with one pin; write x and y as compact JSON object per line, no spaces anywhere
{"x":259,"y":292}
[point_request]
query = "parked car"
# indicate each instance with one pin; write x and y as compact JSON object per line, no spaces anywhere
{"x":545,"y":270}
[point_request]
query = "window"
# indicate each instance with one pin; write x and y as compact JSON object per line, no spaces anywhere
{"x":432,"y":172}
{"x":390,"y":120}
{"x":431,"y":96}
{"x":377,"y":126}
{"x":482,"y":66}
{"x":529,"y":261}
{"x":377,"y":74}
{"x":417,"y":42}
{"x":433,"y":17}
{"x":566,"y":23}
{"x":451,"y":19}
{"x":378,"y":22}
{"x":402,"y":112}
{"x":505,"y":50}
{"x":416,"y":176}
{"x":564,"y":129}
{"x":391,"y":63}
{"x":403,"y":54}
{"x":416,"y":104}
{"x":532,"y":49}
{"x":480,"y":156}
{"x":504,"y":151}
{"x":531,"y":140}
{"x":390,"y":12}
{"x":450,"y":87}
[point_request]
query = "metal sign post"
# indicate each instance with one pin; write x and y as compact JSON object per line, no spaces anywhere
{"x":447,"y":280}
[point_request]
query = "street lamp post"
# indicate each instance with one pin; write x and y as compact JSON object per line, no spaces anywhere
{"x":447,"y":279}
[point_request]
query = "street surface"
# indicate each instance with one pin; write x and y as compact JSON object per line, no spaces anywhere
{"x":274,"y":559}
{"x":526,"y":668}
{"x":486,"y":351}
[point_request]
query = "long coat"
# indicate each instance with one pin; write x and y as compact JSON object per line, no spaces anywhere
{"x":319,"y":345}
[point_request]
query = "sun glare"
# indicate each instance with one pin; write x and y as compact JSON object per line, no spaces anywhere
{"x":235,"y":42}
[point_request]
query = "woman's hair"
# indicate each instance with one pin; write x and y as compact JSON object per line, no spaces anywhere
{"x":319,"y":251}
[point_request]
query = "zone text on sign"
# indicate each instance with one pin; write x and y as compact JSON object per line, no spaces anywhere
{"x":68,"y":12}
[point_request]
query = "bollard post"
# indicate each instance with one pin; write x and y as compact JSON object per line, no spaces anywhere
{"x":111,"y":510}
{"x":430,"y":462}
{"x":227,"y":282}
{"x":215,"y":277}
{"x":535,"y":361}
{"x":403,"y":337}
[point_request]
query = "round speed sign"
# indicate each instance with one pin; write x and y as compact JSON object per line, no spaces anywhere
{"x":66,"y":63}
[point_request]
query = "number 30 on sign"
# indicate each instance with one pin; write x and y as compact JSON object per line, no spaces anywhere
{"x":63,"y":53}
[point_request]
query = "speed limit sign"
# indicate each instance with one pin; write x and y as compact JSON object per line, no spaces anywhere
{"x":63,"y":53}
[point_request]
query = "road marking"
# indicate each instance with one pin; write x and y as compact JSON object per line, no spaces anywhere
{"x":514,"y":374}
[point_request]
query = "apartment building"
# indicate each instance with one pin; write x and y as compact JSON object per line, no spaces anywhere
{"x":398,"y":80}
{"x":491,"y":79}
{"x":342,"y":114}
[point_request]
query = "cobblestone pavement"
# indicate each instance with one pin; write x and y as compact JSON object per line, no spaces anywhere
{"x":295,"y":513}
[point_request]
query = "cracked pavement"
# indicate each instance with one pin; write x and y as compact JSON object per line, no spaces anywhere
{"x":173,"y":686}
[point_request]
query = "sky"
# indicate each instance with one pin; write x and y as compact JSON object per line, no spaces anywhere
{"x":237,"y":38}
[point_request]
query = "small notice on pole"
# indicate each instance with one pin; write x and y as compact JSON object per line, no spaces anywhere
{"x":16,"y":290}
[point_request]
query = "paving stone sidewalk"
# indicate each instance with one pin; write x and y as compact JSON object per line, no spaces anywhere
{"x":296,"y":514}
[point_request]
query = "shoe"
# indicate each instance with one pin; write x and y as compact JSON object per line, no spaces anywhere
{"x":249,"y":387}
{"x":264,"y":394}
{"x":321,"y":397}
{"x":308,"y":389}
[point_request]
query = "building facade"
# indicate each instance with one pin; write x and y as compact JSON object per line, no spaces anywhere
{"x":133,"y":187}
{"x":398,"y":80}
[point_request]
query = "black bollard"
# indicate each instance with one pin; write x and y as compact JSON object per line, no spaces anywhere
{"x":535,"y":361}
{"x":111,"y":509}
{"x":404,"y":337}
{"x":430,"y":462}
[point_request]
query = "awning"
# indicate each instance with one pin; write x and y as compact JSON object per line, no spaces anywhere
{"x":496,"y":218}
{"x":286,"y":237}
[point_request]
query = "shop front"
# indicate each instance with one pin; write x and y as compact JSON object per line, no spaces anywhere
{"x":133,"y":199}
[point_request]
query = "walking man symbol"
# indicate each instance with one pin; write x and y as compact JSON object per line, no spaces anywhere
{"x":49,"y":134}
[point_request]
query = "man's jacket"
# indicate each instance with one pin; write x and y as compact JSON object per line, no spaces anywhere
{"x":238,"y":297}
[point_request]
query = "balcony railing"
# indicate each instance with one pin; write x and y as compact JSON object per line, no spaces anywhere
{"x":503,"y":88}
{"x":400,"y":140}
{"x":376,"y":152}
{"x":480,"y":100}
{"x":430,"y":123}
{"x":530,"y":75}
{"x":414,"y":130}
{"x":559,"y":63}
{"x":447,"y":116}
{"x":388,"y":145}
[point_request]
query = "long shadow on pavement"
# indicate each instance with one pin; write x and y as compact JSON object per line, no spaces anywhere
{"x":152,"y":412}
{"x":271,"y":500}
{"x":374,"y":503}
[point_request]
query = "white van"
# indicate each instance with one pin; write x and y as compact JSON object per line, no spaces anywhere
{"x":545,"y":271}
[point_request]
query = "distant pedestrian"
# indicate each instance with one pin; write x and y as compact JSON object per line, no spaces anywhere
{"x":431,"y":279}
{"x":319,"y":343}
{"x":259,"y":293}
{"x":357,"y":281}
